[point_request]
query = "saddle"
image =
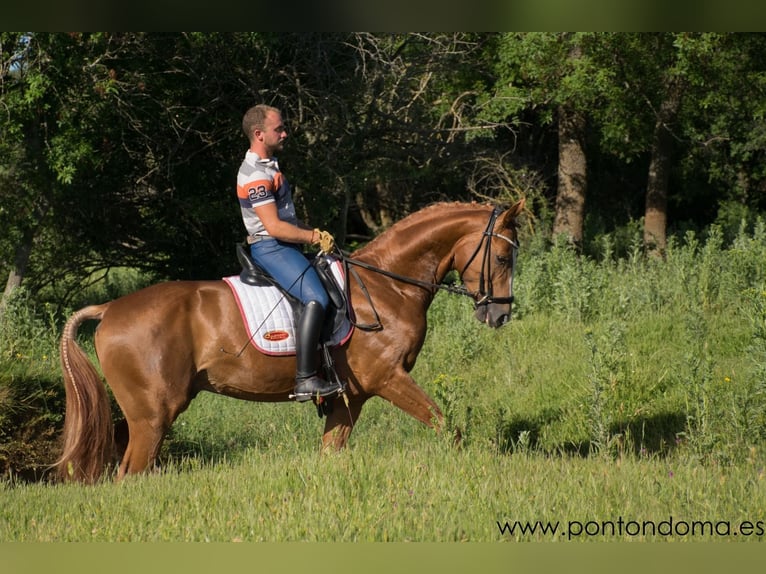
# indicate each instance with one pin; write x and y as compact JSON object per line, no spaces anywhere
{"x":339,"y":312}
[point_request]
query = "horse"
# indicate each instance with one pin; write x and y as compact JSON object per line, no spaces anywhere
{"x":160,"y":346}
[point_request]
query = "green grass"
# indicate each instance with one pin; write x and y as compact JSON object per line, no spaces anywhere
{"x":395,"y":484}
{"x":626,"y":397}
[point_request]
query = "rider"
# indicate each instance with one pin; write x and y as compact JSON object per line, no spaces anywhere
{"x":275,"y":235}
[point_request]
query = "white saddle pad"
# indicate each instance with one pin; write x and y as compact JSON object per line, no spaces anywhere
{"x":269,"y":318}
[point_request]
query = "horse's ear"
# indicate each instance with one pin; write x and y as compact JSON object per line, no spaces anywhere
{"x":512,"y":213}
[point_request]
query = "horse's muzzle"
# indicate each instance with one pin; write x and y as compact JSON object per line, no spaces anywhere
{"x":493,"y":315}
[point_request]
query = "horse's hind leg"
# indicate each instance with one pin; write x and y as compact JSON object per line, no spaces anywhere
{"x":150,"y":409}
{"x":143,"y":446}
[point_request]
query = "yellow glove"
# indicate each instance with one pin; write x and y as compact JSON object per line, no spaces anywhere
{"x":326,"y":241}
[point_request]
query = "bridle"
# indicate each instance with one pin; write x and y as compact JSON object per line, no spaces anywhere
{"x":484,"y":295}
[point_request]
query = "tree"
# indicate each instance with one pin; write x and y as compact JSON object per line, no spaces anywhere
{"x":724,"y":118}
{"x":123,"y":138}
{"x":656,"y":216}
{"x":412,"y":119}
{"x":123,"y":145}
{"x":654,"y":86}
{"x":573,"y":165}
{"x":677,"y":99}
{"x":552,"y":79}
{"x":121,"y":148}
{"x":36,"y":162}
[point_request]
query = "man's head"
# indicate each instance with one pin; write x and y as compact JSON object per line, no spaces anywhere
{"x":263,"y":126}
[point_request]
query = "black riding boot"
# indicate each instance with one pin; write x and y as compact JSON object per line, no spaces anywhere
{"x":307,"y":384}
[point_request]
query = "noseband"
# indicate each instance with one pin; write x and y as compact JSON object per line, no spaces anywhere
{"x":484,"y":295}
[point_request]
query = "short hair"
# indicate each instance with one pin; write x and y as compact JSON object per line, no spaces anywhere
{"x":255,"y":118}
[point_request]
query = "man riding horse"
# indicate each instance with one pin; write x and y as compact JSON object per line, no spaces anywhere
{"x":275,"y":235}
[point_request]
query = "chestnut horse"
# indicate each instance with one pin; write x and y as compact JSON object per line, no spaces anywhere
{"x":160,"y":346}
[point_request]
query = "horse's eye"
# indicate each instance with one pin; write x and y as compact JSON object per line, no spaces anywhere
{"x":503,"y":260}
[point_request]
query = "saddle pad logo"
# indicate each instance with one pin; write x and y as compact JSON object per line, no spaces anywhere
{"x":276,"y":335}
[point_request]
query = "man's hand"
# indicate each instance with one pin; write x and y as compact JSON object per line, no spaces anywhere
{"x":325,"y":240}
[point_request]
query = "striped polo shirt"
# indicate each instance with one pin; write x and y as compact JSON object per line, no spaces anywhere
{"x":259,"y":182}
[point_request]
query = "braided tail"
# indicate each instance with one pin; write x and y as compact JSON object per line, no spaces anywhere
{"x":88,"y":439}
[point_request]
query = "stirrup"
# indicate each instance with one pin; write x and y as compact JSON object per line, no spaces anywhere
{"x":314,"y":390}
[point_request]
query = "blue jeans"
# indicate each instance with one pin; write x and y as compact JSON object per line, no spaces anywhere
{"x":290,"y":268}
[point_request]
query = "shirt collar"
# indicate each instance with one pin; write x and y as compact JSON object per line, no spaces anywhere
{"x":254,"y":159}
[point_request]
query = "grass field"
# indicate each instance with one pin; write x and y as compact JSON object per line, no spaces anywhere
{"x":625,"y":401}
{"x":259,"y":478}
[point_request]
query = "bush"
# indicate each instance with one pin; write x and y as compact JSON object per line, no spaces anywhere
{"x":635,"y":354}
{"x":31,"y":394}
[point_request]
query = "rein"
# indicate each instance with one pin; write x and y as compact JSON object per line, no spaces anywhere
{"x":404,"y":279}
{"x":377,"y":325}
{"x":480,"y":297}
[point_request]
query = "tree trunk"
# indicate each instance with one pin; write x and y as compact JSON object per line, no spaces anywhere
{"x":656,"y":215}
{"x":375,"y":213}
{"x":572,"y":176}
{"x":16,"y":275}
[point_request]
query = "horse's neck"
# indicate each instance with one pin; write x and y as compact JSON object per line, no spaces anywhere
{"x":418,"y":245}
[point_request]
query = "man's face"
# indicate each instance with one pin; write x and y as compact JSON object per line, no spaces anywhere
{"x":273,"y":133}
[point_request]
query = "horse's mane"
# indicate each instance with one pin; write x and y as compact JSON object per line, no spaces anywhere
{"x":416,"y":216}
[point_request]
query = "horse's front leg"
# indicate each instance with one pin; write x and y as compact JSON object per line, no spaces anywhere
{"x":402,"y":390}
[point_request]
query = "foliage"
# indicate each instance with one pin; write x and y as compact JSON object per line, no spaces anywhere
{"x":120,"y":147}
{"x":31,"y":395}
{"x":634,"y":353}
{"x":641,"y":345}
{"x":126,"y":143}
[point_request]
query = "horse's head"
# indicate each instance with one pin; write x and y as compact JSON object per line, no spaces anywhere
{"x":487,"y":262}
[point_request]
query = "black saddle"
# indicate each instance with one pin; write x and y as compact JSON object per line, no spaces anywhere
{"x":253,"y":274}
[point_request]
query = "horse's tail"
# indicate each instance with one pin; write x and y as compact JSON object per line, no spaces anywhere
{"x":88,"y":439}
